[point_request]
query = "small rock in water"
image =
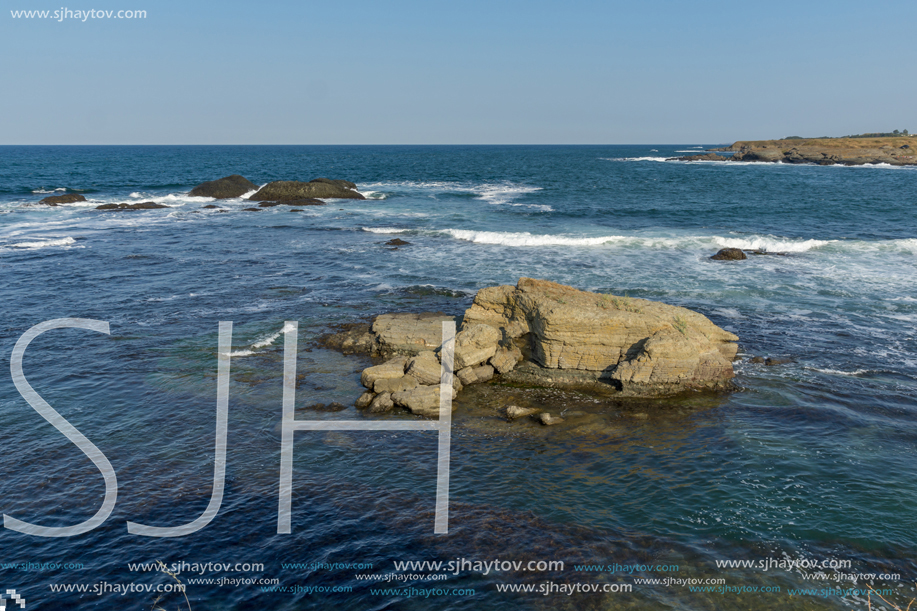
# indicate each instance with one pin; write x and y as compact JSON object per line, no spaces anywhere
{"x":729,"y":254}
{"x":210,"y":207}
{"x":397,"y":242}
{"x":140,"y":206}
{"x":334,"y":406}
{"x":252,"y":209}
{"x":757,"y":360}
{"x":513,"y":412}
{"x":224,"y":188}
{"x":772,"y":361}
{"x":547,"y":419}
{"x":364,"y":400}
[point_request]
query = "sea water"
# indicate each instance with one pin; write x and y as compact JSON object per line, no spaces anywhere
{"x":813,"y":459}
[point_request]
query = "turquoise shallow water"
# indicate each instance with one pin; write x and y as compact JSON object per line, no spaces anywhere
{"x":814,"y":458}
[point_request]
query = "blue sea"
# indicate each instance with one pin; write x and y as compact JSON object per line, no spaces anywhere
{"x":811,"y":463}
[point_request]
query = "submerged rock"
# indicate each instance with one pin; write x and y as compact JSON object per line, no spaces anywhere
{"x":349,"y":338}
{"x":547,"y":419}
{"x":224,"y":188}
{"x":293,"y":202}
{"x":140,"y":206}
{"x":729,"y":254}
{"x":293,"y":190}
{"x":513,"y":412}
{"x":68,"y":198}
{"x":397,"y":242}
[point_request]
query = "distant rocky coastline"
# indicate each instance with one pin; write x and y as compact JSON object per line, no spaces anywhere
{"x":896,"y":151}
{"x":542,"y":334}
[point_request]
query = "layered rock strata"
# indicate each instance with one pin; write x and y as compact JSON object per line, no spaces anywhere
{"x":541,"y":333}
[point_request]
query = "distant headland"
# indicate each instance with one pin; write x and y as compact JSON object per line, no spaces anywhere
{"x":895,"y":148}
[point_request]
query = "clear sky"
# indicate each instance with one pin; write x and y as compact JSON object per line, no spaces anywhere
{"x":460,"y":72}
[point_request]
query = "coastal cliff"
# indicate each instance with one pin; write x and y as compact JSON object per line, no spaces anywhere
{"x":898,"y":151}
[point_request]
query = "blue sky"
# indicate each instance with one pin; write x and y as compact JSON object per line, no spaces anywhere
{"x":497,"y":72}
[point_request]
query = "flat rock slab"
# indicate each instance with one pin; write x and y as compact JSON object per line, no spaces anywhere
{"x":409,"y":333}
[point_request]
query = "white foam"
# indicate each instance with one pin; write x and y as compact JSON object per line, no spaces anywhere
{"x":634,"y":158}
{"x":45,"y":243}
{"x":270,"y":339}
{"x":502,"y":194}
{"x":526,"y":239}
{"x":770,"y":244}
{"x":542,"y":207}
{"x":384,"y":230}
{"x":492,"y":193}
{"x":373,"y":194}
{"x":39,"y":191}
{"x":837,"y":372}
{"x":264,"y":342}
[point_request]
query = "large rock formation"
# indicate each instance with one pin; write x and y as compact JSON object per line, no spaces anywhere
{"x":224,"y":188}
{"x":574,"y":338}
{"x":323,"y":188}
{"x":540,"y":333}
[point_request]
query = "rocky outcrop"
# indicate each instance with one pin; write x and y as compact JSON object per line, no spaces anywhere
{"x":57,"y":200}
{"x":539,"y":333}
{"x":828,"y":151}
{"x":729,"y":254}
{"x":573,"y":338}
{"x":295,"y":191}
{"x":138,"y":206}
{"x":408,"y":333}
{"x":224,"y":188}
